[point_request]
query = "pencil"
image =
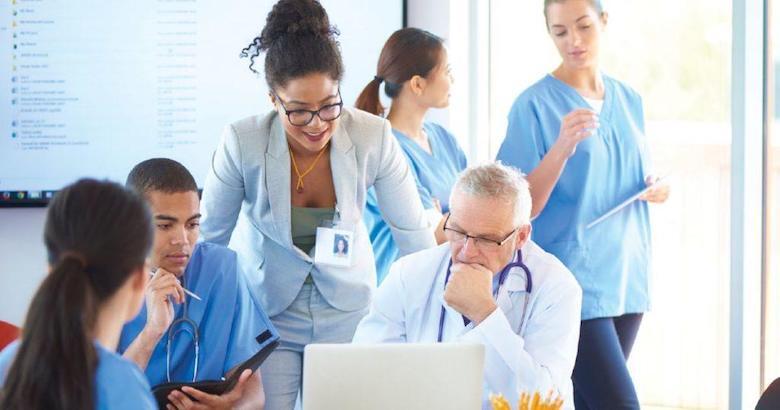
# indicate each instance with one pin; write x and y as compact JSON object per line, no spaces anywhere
{"x":185,"y":290}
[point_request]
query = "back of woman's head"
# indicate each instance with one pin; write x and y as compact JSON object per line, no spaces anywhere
{"x":298,"y":40}
{"x":96,"y":234}
{"x":407,"y":53}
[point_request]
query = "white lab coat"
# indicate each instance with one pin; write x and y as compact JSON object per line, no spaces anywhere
{"x":537,"y":357}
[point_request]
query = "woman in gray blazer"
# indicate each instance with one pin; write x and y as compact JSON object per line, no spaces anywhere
{"x":276,"y":179}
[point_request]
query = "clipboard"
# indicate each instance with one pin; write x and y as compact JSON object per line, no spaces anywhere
{"x":625,"y":203}
{"x":218,"y":387}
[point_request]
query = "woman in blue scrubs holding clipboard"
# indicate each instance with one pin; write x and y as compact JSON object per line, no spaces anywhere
{"x":579,"y":134}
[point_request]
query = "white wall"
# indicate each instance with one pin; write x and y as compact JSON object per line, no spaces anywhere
{"x":22,"y":255}
{"x":434,"y":16}
{"x":23,"y":260}
{"x":466,"y":117}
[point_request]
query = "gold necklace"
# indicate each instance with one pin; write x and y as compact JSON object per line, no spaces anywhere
{"x":299,"y":184}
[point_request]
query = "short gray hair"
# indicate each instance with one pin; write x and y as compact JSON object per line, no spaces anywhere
{"x":496,"y":180}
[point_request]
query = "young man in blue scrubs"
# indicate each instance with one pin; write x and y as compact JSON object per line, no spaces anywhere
{"x":177,"y":337}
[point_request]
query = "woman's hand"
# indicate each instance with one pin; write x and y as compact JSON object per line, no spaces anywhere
{"x":658,"y":194}
{"x":575,"y":127}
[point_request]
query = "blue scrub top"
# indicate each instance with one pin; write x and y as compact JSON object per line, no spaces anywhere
{"x":228,"y":321}
{"x":119,"y":384}
{"x":435,"y":174}
{"x":611,"y":259}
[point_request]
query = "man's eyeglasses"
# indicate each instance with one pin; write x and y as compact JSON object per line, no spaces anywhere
{"x":301,"y":118}
{"x":482,"y":243}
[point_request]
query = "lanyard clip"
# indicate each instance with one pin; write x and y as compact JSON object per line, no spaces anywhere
{"x":336,"y":215}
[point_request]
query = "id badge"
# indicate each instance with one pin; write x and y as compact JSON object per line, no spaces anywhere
{"x":334,"y":245}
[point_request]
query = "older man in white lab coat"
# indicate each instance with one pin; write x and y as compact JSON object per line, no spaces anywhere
{"x":488,"y":284}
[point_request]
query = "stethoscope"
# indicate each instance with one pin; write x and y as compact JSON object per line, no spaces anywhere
{"x":183,"y":322}
{"x":501,"y":278}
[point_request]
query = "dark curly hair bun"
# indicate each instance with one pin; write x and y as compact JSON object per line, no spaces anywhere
{"x":296,"y":17}
{"x":298,"y":40}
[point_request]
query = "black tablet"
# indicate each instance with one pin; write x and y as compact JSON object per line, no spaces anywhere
{"x":218,"y":387}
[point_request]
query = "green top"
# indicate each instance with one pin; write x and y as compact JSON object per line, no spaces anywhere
{"x":304,"y":223}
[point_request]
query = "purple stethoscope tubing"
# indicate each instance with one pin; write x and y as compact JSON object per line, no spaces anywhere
{"x":501,"y":278}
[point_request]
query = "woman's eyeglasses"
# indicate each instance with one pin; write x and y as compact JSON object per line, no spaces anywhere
{"x":301,"y":118}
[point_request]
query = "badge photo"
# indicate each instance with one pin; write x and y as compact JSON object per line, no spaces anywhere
{"x":334,"y":247}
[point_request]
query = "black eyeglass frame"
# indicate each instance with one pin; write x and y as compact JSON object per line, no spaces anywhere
{"x":311,"y":113}
{"x":478,"y":239}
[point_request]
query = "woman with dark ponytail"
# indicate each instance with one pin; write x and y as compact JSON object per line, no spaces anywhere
{"x":283,"y":185}
{"x":97,"y":235}
{"x":414,"y":69}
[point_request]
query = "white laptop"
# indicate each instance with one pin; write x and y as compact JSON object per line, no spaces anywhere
{"x":445,"y":376}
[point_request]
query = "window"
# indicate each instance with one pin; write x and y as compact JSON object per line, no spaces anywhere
{"x":771,"y":345}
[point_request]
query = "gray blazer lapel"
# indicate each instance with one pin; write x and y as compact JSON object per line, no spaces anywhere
{"x":343,"y":164}
{"x":277,"y":181}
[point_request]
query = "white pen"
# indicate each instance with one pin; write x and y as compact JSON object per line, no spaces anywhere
{"x":153,"y":271}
